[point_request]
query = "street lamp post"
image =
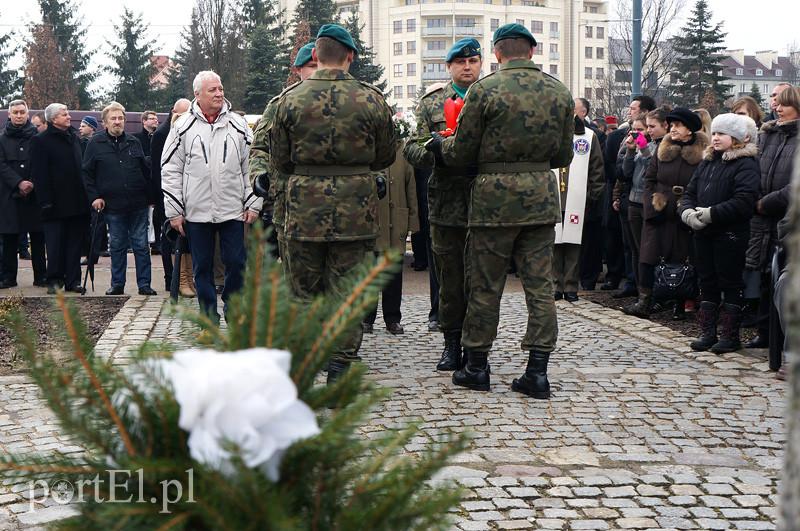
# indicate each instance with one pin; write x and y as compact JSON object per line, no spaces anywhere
{"x":636,"y":49}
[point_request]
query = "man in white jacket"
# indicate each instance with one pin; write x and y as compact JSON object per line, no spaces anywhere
{"x":204,"y":177}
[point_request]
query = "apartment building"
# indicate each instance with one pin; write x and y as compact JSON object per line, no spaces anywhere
{"x":764,"y":69}
{"x":411,"y":38}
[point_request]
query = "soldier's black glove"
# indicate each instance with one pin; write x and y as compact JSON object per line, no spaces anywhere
{"x":261,"y":185}
{"x":434,"y":145}
{"x":380,"y":182}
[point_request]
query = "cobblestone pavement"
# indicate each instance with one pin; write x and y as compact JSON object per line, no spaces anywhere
{"x":641,"y":432}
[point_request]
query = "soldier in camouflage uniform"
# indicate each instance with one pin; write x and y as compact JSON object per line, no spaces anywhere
{"x":516,"y":124}
{"x":271,"y":185}
{"x":329,"y":134}
{"x":448,"y":196}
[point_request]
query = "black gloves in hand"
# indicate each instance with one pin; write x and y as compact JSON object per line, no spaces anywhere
{"x":380,"y":182}
{"x":434,"y":145}
{"x":261,"y":185}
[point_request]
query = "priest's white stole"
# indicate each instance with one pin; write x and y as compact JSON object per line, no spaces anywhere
{"x":570,"y":230}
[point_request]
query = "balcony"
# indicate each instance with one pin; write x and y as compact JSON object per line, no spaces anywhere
{"x":437,"y":31}
{"x":555,"y":34}
{"x":435,"y":76}
{"x":555,"y":56}
{"x":434,"y":54}
{"x":469,"y":30}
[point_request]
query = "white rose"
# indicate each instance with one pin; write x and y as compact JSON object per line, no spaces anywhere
{"x":246,"y":398}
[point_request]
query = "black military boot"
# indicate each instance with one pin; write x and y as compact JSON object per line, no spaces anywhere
{"x":730,"y":323}
{"x":475,"y":374}
{"x":452,"y":360}
{"x":707,"y":320}
{"x":335,"y":369}
{"x":643,"y":306}
{"x":534,"y":382}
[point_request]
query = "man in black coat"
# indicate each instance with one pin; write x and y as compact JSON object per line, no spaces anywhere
{"x":56,"y":171}
{"x":149,"y":126}
{"x":156,"y":149}
{"x":19,"y":212}
{"x":117,"y":179}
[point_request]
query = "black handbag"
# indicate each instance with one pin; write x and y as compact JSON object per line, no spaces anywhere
{"x":675,"y":282}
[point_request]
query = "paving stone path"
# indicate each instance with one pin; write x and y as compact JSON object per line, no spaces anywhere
{"x":641,"y":432}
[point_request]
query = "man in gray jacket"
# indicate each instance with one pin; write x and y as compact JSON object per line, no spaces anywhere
{"x":204,"y":177}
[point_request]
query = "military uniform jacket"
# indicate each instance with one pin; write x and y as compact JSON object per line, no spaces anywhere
{"x":515,"y":115}
{"x":329,"y":134}
{"x":448,"y":188}
{"x":260,"y":165}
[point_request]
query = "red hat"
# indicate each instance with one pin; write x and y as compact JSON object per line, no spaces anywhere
{"x":611,"y":120}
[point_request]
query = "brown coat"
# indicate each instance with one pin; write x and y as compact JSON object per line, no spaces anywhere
{"x":397,"y":212}
{"x":663,"y":233}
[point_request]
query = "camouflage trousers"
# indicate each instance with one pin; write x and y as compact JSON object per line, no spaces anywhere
{"x":448,"y":245}
{"x":565,"y":267}
{"x":489,"y":253}
{"x":318,"y":267}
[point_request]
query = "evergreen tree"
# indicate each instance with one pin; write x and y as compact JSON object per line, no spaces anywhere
{"x":48,"y":73}
{"x":63,"y":17}
{"x":268,"y":65}
{"x":755,"y":93}
{"x":133,"y":66}
{"x":10,"y":80}
{"x":317,"y":13}
{"x":363,"y":67}
{"x":189,"y":60}
{"x":302,"y":36}
{"x":699,"y":68}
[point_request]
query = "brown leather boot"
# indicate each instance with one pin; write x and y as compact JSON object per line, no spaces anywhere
{"x":187,"y":279}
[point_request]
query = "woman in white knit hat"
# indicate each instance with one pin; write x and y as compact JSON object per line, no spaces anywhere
{"x":718,"y":205}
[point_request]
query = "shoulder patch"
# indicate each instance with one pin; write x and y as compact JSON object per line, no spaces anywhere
{"x":436,"y":87}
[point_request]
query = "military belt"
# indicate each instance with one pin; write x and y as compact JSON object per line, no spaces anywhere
{"x":513,"y":167}
{"x":332,"y":171}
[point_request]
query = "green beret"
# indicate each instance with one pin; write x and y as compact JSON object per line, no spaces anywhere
{"x":303,"y":55}
{"x":513,"y":31}
{"x":339,"y":34}
{"x":466,"y":47}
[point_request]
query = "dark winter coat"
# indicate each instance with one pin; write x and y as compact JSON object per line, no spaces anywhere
{"x":17,"y":213}
{"x":728,"y":183}
{"x":145,"y":139}
{"x":156,"y":149}
{"x":777,"y":145}
{"x":612,"y":170}
{"x":115,"y":170}
{"x":664,"y":234}
{"x":56,"y":173}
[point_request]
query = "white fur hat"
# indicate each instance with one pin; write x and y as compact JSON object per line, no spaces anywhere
{"x":740,"y":127}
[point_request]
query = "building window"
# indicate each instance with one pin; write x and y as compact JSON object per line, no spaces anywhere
{"x":587,"y":72}
{"x":592,"y":9}
{"x":601,"y":32}
{"x":506,"y":2}
{"x":553,"y":47}
{"x":494,"y":23}
{"x":398,"y":91}
{"x":599,"y":93}
{"x":625,"y":76}
{"x":778,"y":72}
{"x":766,"y":88}
{"x":587,"y":93}
{"x":398,"y":26}
{"x":411,"y":25}
{"x":398,"y":70}
{"x":411,"y":91}
{"x":436,"y":23}
{"x":538,"y":50}
{"x":465,"y":22}
{"x":759,"y":72}
{"x":600,"y":53}
{"x":740,"y":71}
{"x":436,"y":45}
{"x":398,"y":48}
{"x":537,"y":26}
{"x":588,"y":32}
{"x":554,"y":26}
{"x":411,"y":2}
{"x":553,"y":70}
{"x":587,"y":53}
{"x":487,"y":1}
{"x":743,"y":88}
{"x":493,"y":68}
{"x":411,"y":46}
{"x":411,"y":69}
{"x":600,"y":73}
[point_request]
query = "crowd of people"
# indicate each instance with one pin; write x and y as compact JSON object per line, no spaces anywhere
{"x":668,"y":189}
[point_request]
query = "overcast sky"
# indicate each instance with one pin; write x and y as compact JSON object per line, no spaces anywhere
{"x":773,"y":26}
